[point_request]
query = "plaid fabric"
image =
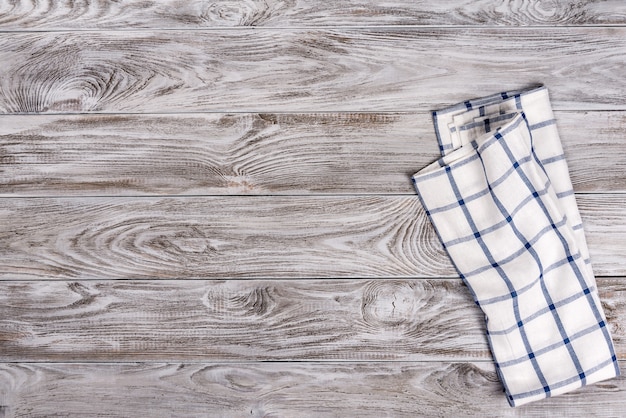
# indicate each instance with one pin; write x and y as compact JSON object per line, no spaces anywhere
{"x":502,"y":202}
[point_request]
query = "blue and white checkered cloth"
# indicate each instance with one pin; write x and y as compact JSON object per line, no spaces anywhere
{"x":502,"y":202}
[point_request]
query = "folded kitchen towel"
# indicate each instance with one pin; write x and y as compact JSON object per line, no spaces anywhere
{"x":502,"y":203}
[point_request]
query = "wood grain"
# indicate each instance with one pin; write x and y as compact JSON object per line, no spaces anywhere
{"x":205,"y":205}
{"x":241,"y":320}
{"x":400,"y":69}
{"x":283,"y":389}
{"x":606,"y":254}
{"x":219,"y":237}
{"x":260,"y":154}
{"x":251,"y":237}
{"x":171,"y":14}
{"x":214,"y":153}
{"x":417,"y":320}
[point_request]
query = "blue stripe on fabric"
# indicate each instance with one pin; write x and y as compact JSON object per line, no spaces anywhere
{"x":421,"y":177}
{"x":499,"y":224}
{"x":502,"y":274}
{"x":513,"y":125}
{"x":565,"y":193}
{"x":577,"y":272}
{"x":540,"y":125}
{"x":535,"y":256}
{"x":577,"y":227}
{"x":550,"y":160}
{"x":551,"y":347}
{"x":561,"y":383}
{"x":456,"y":204}
{"x":480,"y":193}
{"x":531,"y":284}
{"x":419,"y":196}
{"x":488,"y":100}
{"x":486,"y":123}
{"x":498,"y":118}
{"x":441,"y":145}
{"x":538,"y":262}
{"x":573,"y":265}
{"x":517,"y":253}
{"x":518,"y":102}
{"x":542,"y":311}
{"x":481,"y":232}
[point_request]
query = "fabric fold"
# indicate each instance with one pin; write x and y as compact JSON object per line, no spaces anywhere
{"x":502,"y":203}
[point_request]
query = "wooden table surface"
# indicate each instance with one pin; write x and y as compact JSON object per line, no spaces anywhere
{"x":206,"y":206}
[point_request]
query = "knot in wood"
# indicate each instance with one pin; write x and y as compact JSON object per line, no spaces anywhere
{"x":389,"y":304}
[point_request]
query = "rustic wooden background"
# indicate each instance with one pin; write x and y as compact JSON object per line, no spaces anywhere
{"x":206,"y":207}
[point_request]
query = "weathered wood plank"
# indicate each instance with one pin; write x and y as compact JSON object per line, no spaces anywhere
{"x":214,"y":153}
{"x":283,"y":389}
{"x":218,"y":154}
{"x":400,"y":69}
{"x":241,"y":320}
{"x":233,"y":320}
{"x":607,"y":254}
{"x":250,"y":237}
{"x":225,"y":154}
{"x":171,"y":14}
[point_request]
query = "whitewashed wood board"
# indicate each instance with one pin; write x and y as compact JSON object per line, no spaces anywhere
{"x":192,"y":14}
{"x":395,"y":389}
{"x":269,"y":70}
{"x":251,"y":237}
{"x":250,"y":320}
{"x":285,"y":153}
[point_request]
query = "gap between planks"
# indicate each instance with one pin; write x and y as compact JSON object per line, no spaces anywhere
{"x":313,"y":27}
